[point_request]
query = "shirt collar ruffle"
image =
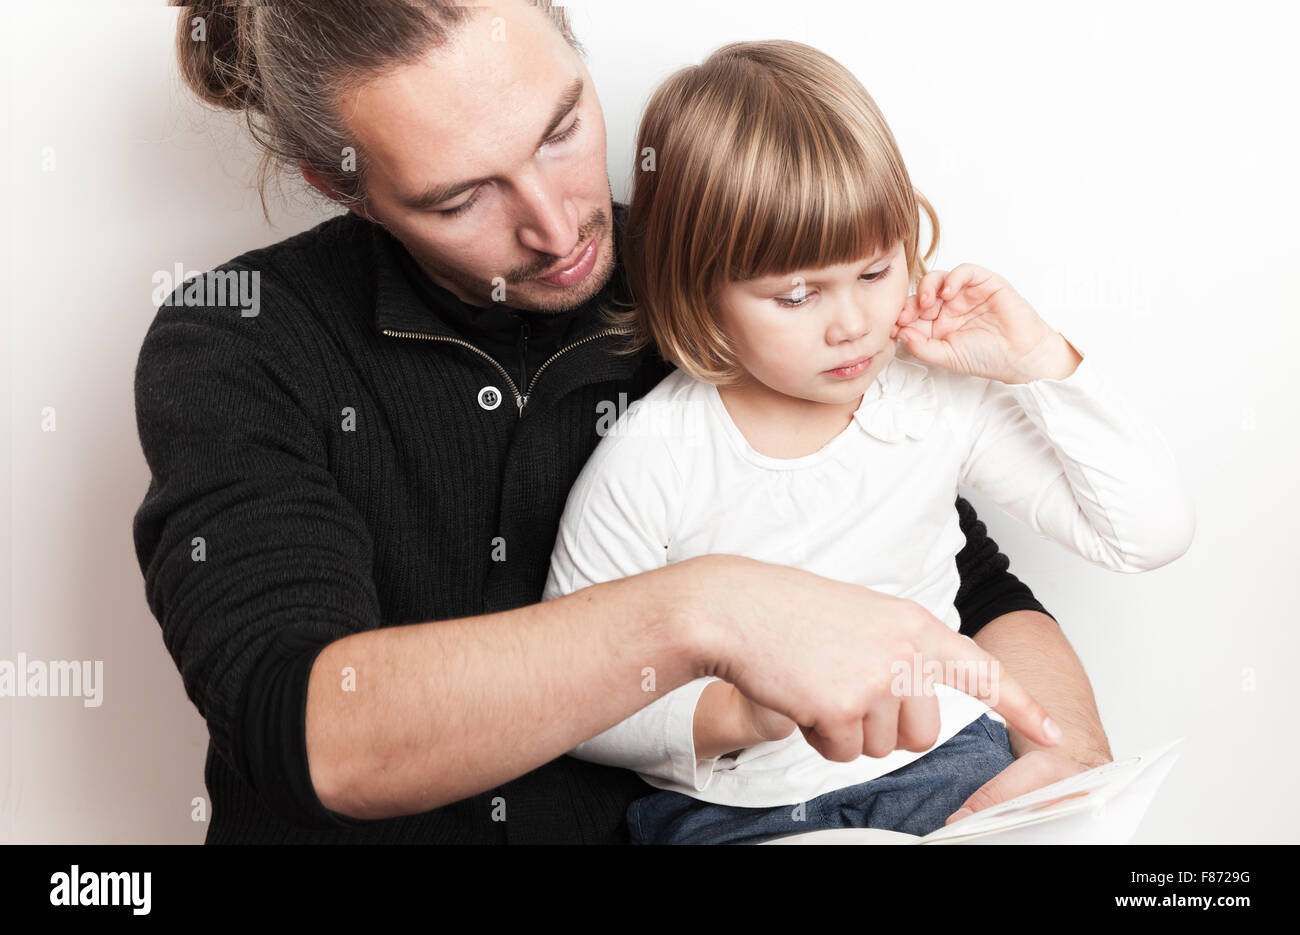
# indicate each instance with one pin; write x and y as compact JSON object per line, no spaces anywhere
{"x":900,"y":403}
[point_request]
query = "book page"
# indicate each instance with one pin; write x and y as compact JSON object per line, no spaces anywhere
{"x":1095,"y":790}
{"x":1099,"y":806}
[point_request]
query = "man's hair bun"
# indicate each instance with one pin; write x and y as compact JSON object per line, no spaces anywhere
{"x":214,"y":48}
{"x":284,"y":65}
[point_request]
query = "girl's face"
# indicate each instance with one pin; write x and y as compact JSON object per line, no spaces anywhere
{"x":792,"y":332}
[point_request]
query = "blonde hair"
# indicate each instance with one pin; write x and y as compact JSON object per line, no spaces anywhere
{"x":286,"y":63}
{"x":768,"y":157}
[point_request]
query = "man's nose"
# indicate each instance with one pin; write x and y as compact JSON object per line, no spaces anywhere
{"x":545,"y":224}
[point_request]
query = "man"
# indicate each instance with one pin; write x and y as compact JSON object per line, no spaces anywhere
{"x":356,"y":491}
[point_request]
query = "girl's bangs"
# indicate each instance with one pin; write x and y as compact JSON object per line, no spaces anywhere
{"x":813,"y":197}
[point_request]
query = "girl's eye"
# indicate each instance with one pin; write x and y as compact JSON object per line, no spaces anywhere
{"x":865,"y":277}
{"x":563,"y":137}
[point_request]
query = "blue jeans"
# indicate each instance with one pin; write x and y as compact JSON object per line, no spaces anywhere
{"x":916,"y":799}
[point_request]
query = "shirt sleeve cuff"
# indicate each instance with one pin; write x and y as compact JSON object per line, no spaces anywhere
{"x":687,"y":769}
{"x":1039,"y":396}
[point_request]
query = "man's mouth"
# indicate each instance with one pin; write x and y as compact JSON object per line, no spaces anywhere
{"x":576,"y":271}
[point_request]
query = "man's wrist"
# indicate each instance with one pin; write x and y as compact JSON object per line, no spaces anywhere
{"x":1093,"y":758}
{"x":688,"y":629}
{"x":1085,"y":754}
{"x":1032,"y":648}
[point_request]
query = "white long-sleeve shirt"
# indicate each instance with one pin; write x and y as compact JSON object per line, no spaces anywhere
{"x":675,"y":478}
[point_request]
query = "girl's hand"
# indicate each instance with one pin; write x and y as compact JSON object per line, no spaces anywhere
{"x":766,"y":723}
{"x":970,"y":320}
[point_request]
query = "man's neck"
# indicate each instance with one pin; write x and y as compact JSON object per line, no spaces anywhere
{"x":472,"y":301}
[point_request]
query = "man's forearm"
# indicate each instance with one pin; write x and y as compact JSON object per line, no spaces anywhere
{"x":447,"y":709}
{"x":1031,"y":647}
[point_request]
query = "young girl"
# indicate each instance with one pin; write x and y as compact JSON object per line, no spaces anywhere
{"x":771,"y":247}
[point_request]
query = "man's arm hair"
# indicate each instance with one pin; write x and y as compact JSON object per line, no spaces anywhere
{"x":1028,"y":641}
{"x":1032,"y":649}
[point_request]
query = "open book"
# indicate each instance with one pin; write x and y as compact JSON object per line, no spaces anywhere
{"x":1100,"y":806}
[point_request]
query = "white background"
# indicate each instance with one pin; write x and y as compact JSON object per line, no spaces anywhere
{"x":1129,"y":168}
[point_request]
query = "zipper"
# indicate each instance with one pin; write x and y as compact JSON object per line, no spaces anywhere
{"x":520,"y":400}
{"x":523,"y":352}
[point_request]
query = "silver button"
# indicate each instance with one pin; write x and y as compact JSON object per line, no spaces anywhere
{"x":489,"y":397}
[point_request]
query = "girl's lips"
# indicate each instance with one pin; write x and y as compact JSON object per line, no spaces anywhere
{"x":854,"y":369}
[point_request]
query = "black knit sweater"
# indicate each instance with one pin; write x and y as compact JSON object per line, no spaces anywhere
{"x":337,"y":463}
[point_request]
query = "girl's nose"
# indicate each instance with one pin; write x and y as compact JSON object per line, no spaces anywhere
{"x":851,"y":322}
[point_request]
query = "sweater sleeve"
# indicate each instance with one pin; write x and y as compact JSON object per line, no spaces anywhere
{"x":1075,"y":462}
{"x":617,"y":522}
{"x":252,"y":559}
{"x":988,"y":589}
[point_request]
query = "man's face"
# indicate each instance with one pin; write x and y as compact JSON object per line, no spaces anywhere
{"x":487,"y":160}
{"x":791,"y":331}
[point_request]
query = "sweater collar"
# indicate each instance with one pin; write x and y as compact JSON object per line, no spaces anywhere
{"x":401,"y":306}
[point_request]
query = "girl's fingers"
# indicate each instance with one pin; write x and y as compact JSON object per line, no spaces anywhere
{"x":907,"y":315}
{"x":916,"y":338}
{"x":967,"y":274}
{"x":919,"y":328}
{"x":928,"y":288}
{"x":920,"y":345}
{"x":956,"y":280}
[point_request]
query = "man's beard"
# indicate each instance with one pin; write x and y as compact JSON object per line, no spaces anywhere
{"x":482,"y":293}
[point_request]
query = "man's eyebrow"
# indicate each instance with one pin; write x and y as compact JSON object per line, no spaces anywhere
{"x":437,"y":194}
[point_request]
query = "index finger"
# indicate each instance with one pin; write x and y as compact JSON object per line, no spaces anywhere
{"x":909,"y":312}
{"x":968,"y":668}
